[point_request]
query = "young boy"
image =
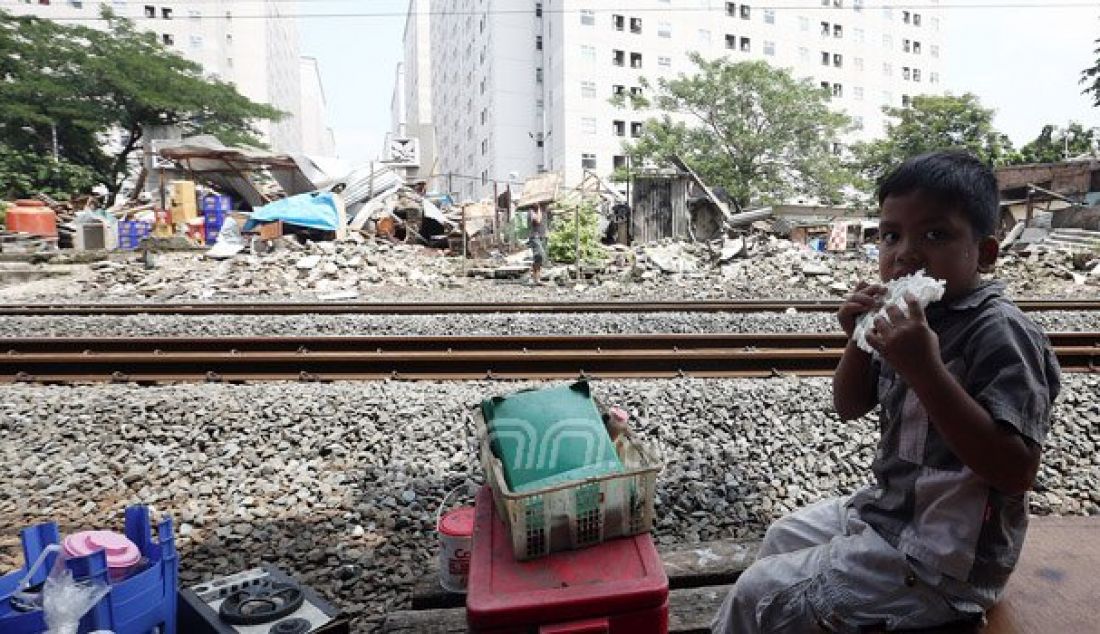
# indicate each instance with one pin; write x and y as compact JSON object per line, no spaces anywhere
{"x":965,"y":389}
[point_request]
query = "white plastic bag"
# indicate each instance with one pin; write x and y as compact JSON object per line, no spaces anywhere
{"x":925,"y":289}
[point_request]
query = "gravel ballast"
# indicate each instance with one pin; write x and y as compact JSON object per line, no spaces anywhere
{"x":340,"y":483}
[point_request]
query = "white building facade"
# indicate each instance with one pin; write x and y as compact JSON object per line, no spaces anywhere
{"x":528,"y":90}
{"x":317,"y":137}
{"x":416,"y":89}
{"x":252,"y":44}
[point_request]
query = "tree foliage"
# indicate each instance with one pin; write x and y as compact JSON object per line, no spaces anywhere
{"x":86,"y":83}
{"x":749,"y":127}
{"x":1090,"y":77}
{"x":934,"y":122}
{"x":1056,"y":144}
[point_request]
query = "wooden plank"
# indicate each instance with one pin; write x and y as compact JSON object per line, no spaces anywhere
{"x":708,"y":564}
{"x":690,"y":611}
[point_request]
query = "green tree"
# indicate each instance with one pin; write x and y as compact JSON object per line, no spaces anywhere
{"x":749,"y":127}
{"x":934,"y":122}
{"x":1055,"y":144}
{"x":568,"y":217}
{"x":85,"y":83}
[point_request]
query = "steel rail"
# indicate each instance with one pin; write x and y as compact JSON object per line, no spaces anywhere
{"x":240,"y":359}
{"x":435,"y":308}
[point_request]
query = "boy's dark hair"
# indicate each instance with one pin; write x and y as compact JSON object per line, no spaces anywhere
{"x":952,"y":177}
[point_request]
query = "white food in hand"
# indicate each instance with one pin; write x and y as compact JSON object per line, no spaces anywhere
{"x":925,"y":289}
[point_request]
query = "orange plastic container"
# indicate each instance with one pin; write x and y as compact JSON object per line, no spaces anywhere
{"x":33,"y":217}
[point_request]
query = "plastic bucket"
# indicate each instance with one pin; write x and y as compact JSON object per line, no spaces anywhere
{"x":456,"y":530}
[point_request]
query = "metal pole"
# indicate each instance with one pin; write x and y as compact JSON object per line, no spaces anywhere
{"x":577,"y":237}
{"x":464,"y":241}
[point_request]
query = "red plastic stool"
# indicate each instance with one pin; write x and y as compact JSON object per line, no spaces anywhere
{"x":618,"y":586}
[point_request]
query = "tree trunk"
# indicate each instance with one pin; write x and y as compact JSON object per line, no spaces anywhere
{"x":118,"y":167}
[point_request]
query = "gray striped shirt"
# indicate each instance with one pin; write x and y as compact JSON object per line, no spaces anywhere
{"x":925,"y":501}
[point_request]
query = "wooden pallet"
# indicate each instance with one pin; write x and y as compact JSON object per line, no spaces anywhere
{"x":1052,"y":590}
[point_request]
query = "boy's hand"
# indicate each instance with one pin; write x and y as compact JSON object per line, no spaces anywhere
{"x":906,"y":343}
{"x":866,"y":297}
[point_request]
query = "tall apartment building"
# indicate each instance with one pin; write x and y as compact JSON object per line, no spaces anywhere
{"x":252,"y":44}
{"x":317,"y":137}
{"x":528,"y":89}
{"x":416,"y":87}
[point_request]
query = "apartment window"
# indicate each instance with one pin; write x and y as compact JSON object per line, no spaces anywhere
{"x":588,"y":53}
{"x":769,"y":16}
{"x":934,"y":78}
{"x":857,"y":5}
{"x":484,"y":177}
{"x":635,"y":129}
{"x":540,"y":106}
{"x":803,"y":23}
{"x":167,"y":39}
{"x":838,"y":31}
{"x":538,"y":42}
{"x":538,"y":9}
{"x":824,"y":58}
{"x":838,"y":149}
{"x":538,"y":75}
{"x":916,"y":74}
{"x":588,"y":17}
{"x":166,"y":13}
{"x":228,"y":38}
{"x":857,"y":92}
{"x":838,"y":60}
{"x":196,"y":41}
{"x":905,"y":17}
{"x":77,"y":4}
{"x":825,"y":85}
{"x":619,"y":127}
{"x":588,"y":161}
{"x":150,"y":11}
{"x":618,"y":89}
{"x":664,"y":62}
{"x":229,"y":62}
{"x":664,"y":29}
{"x":858,"y":121}
{"x":618,"y":57}
{"x":635,"y":91}
{"x":746,"y":12}
{"x":484,"y":116}
{"x":934,"y":50}
{"x":804,"y":54}
{"x":838,"y":90}
{"x":635,"y":25}
{"x":857,"y":35}
{"x":838,"y":4}
{"x":905,"y":74}
{"x":769,"y":48}
{"x":619,"y":22}
{"x":905,"y":46}
{"x":588,"y":125}
{"x":916,"y":48}
{"x":825,"y":29}
{"x":484,"y":147}
{"x":540,"y":142}
{"x":858,"y":63}
{"x":905,"y":101}
{"x":482,"y":87}
{"x":481,"y":25}
{"x":887,"y":69}
{"x":731,"y":9}
{"x":618,"y":161}
{"x":916,"y":19}
{"x":635,"y":60}
{"x":588,"y":89}
{"x":731,"y":41}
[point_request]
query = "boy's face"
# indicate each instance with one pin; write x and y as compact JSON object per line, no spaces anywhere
{"x":917,"y":232}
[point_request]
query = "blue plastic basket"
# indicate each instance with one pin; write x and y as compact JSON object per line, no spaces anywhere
{"x":216,"y":202}
{"x":140,"y":604}
{"x":212,"y":224}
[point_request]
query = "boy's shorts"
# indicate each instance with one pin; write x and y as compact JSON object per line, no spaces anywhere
{"x":823,"y":568}
{"x":538,"y":249}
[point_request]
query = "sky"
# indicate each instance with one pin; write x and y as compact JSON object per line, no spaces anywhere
{"x":1022,"y":58}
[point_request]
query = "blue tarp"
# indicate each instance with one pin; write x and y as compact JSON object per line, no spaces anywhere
{"x":314,"y":210}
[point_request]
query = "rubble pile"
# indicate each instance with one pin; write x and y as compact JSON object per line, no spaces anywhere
{"x":345,"y":485}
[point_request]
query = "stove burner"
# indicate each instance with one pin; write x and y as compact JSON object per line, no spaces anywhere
{"x":263,"y":602}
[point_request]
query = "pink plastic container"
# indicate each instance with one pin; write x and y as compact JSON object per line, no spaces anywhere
{"x":122,"y":554}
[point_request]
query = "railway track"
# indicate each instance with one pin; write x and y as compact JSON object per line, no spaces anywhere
{"x":412,"y":308}
{"x":245,"y":359}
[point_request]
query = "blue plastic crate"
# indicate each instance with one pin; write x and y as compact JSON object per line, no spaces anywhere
{"x":140,"y":604}
{"x":131,"y":232}
{"x":212,"y":225}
